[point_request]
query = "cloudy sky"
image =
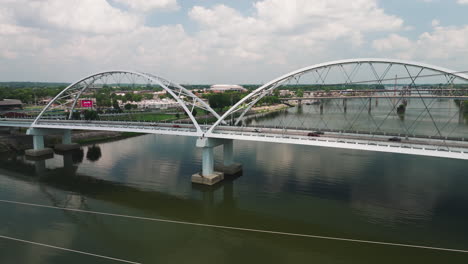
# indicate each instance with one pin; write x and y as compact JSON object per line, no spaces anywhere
{"x":213,"y":41}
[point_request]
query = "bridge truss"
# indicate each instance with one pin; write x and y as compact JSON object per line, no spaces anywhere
{"x":350,"y":104}
{"x":68,"y":99}
{"x":346,"y":88}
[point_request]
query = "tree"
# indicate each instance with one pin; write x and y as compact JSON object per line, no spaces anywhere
{"x":128,"y":97}
{"x":76,"y":115}
{"x":103,"y":99}
{"x":115,"y":105}
{"x":90,"y":115}
{"x":300,"y":93}
{"x":219,"y":100}
{"x":128,"y":106}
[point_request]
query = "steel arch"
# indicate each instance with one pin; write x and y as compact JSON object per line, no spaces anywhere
{"x":268,"y":87}
{"x":174,"y":89}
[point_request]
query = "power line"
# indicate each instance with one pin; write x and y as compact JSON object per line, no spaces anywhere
{"x":239,"y":228}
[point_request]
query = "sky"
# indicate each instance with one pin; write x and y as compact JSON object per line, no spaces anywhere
{"x":214,"y":41}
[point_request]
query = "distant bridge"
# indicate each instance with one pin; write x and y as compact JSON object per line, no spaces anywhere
{"x":441,"y":144}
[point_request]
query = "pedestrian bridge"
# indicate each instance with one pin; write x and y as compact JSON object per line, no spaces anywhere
{"x":379,"y":105}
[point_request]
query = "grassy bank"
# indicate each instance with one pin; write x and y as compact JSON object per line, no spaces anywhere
{"x":106,"y":138}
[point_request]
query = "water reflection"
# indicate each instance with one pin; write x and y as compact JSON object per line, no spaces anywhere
{"x":94,"y":153}
{"x":344,"y":193}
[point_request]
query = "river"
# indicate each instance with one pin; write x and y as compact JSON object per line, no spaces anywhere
{"x":304,"y":190}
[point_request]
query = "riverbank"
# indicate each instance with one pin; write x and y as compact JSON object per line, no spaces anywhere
{"x":19,"y":141}
{"x":269,"y":108}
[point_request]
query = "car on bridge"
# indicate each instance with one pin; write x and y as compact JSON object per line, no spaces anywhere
{"x":313,"y":134}
{"x":394,"y":139}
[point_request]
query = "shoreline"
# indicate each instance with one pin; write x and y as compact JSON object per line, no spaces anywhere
{"x":20,"y":142}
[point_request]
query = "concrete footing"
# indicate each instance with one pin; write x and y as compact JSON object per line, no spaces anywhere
{"x":39,"y":152}
{"x":232,"y":169}
{"x":209,"y":179}
{"x":66,"y":147}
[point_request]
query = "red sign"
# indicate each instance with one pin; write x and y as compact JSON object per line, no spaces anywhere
{"x":86,"y":103}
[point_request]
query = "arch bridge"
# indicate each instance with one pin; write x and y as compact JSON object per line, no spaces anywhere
{"x":382,"y":105}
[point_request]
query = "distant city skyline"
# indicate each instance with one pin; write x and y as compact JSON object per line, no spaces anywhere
{"x":210,"y":41}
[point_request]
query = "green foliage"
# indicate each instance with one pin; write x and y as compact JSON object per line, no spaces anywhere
{"x":401,"y":109}
{"x":90,"y":115}
{"x":130,"y":106}
{"x":28,"y":94}
{"x":115,"y":105}
{"x":269,"y":100}
{"x":462,"y":104}
{"x":300,"y":93}
{"x":148,"y":96}
{"x":221,"y":100}
{"x":103,"y":100}
{"x":76,"y":115}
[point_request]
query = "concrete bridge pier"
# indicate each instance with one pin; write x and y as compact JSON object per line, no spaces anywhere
{"x":39,"y":148}
{"x":229,"y":166}
{"x":345,"y":105}
{"x":66,"y":142}
{"x":461,"y":114}
{"x":209,"y":174}
{"x":370,"y":106}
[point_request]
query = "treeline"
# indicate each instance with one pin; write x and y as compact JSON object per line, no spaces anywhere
{"x":227,"y":99}
{"x":29,"y":94}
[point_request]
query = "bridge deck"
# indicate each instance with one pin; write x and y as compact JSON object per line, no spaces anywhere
{"x":448,"y":148}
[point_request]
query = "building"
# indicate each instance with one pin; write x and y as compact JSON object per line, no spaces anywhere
{"x":221,"y":88}
{"x":9,"y":104}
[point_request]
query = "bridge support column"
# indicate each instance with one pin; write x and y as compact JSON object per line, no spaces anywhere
{"x":345,"y":105}
{"x":370,"y":106}
{"x":461,"y":114}
{"x":321,"y":107}
{"x":39,"y":148}
{"x":207,"y":176}
{"x":66,"y":142}
{"x":229,"y":166}
{"x":210,"y":174}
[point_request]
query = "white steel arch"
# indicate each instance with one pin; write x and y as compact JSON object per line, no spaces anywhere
{"x":266,"y":89}
{"x":174,"y":89}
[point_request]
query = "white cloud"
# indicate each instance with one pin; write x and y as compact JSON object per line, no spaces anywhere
{"x":78,"y":37}
{"x":444,"y":45}
{"x":88,"y":16}
{"x":281,"y":31}
{"x":392,"y":42}
{"x":148,"y":5}
{"x":463,"y":2}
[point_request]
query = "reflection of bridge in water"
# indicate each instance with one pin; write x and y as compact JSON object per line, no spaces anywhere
{"x":439,"y":141}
